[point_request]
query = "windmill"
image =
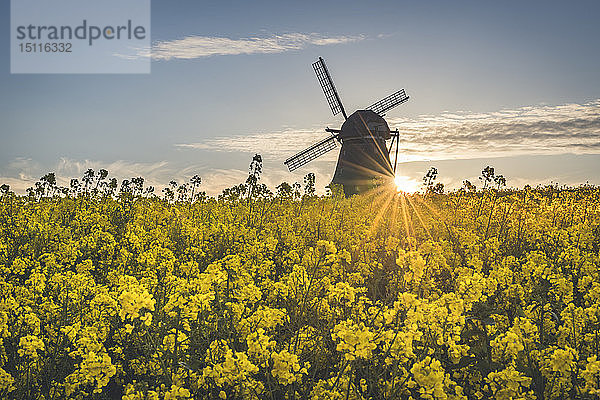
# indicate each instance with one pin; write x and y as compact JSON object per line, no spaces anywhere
{"x":364,"y":156}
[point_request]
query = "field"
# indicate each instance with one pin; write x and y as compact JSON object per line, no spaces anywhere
{"x":467,"y":295}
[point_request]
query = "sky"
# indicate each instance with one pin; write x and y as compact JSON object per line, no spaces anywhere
{"x":511,"y":84}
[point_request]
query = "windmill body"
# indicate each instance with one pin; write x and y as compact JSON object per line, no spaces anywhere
{"x":364,"y":157}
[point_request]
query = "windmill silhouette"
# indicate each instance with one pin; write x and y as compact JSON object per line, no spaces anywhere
{"x":364,"y":157}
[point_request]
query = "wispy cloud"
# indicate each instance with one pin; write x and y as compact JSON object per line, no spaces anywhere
{"x":192,"y":47}
{"x":280,"y":144}
{"x":22,"y":173}
{"x":472,"y":138}
{"x":544,"y":129}
{"x":568,"y":128}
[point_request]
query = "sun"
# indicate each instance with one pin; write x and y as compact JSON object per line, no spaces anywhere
{"x":406,"y":184}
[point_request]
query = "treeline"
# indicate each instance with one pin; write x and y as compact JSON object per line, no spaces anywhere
{"x":98,"y":184}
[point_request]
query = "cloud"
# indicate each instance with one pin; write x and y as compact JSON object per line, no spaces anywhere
{"x":466,"y":140}
{"x":280,"y":144}
{"x":192,"y":47}
{"x":22,"y":173}
{"x":569,"y":169}
{"x":543,"y":129}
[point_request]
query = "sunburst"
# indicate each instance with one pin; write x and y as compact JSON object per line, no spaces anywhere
{"x":406,"y":184}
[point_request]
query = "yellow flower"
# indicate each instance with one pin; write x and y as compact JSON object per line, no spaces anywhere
{"x":354,"y":340}
{"x":6,"y":382}
{"x":135,"y":301}
{"x":30,"y":345}
{"x":429,"y":375}
{"x":286,"y":368}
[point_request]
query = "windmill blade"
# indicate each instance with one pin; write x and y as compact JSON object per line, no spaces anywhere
{"x":389,"y":102}
{"x":331,"y":93}
{"x":309,"y":154}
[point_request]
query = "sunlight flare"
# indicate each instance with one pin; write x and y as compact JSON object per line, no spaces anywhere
{"x":406,"y":184}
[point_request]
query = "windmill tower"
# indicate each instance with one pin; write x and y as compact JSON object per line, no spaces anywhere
{"x":364,"y":156}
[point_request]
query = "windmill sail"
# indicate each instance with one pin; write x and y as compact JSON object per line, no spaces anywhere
{"x":331,"y":93}
{"x":384,"y":105}
{"x":309,"y":154}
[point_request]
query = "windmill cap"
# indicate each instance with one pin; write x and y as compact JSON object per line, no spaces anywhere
{"x":365,"y":124}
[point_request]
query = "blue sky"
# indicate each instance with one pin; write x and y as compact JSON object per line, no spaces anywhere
{"x":490,"y":83}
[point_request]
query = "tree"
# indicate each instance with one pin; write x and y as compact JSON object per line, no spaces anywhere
{"x":261,"y":191}
{"x":169,"y":194}
{"x":438,"y":188}
{"x":75,"y":187}
{"x":500,"y":181}
{"x":284,"y":190}
{"x":39,"y":190}
{"x":102,"y":174}
{"x":4,"y":189}
{"x":182,"y":191}
{"x":195,"y":181}
{"x":112,"y":186}
{"x":138,"y":186}
{"x":468,"y":186}
{"x":309,"y":184}
{"x":254,"y":171}
{"x":48,"y":183}
{"x":296,"y":187}
{"x":487,"y":176}
{"x":233,"y":193}
{"x":125,"y":187}
{"x":88,"y":176}
{"x":429,"y":177}
{"x":149,"y":191}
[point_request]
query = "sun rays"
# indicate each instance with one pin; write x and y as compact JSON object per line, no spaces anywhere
{"x":400,"y":210}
